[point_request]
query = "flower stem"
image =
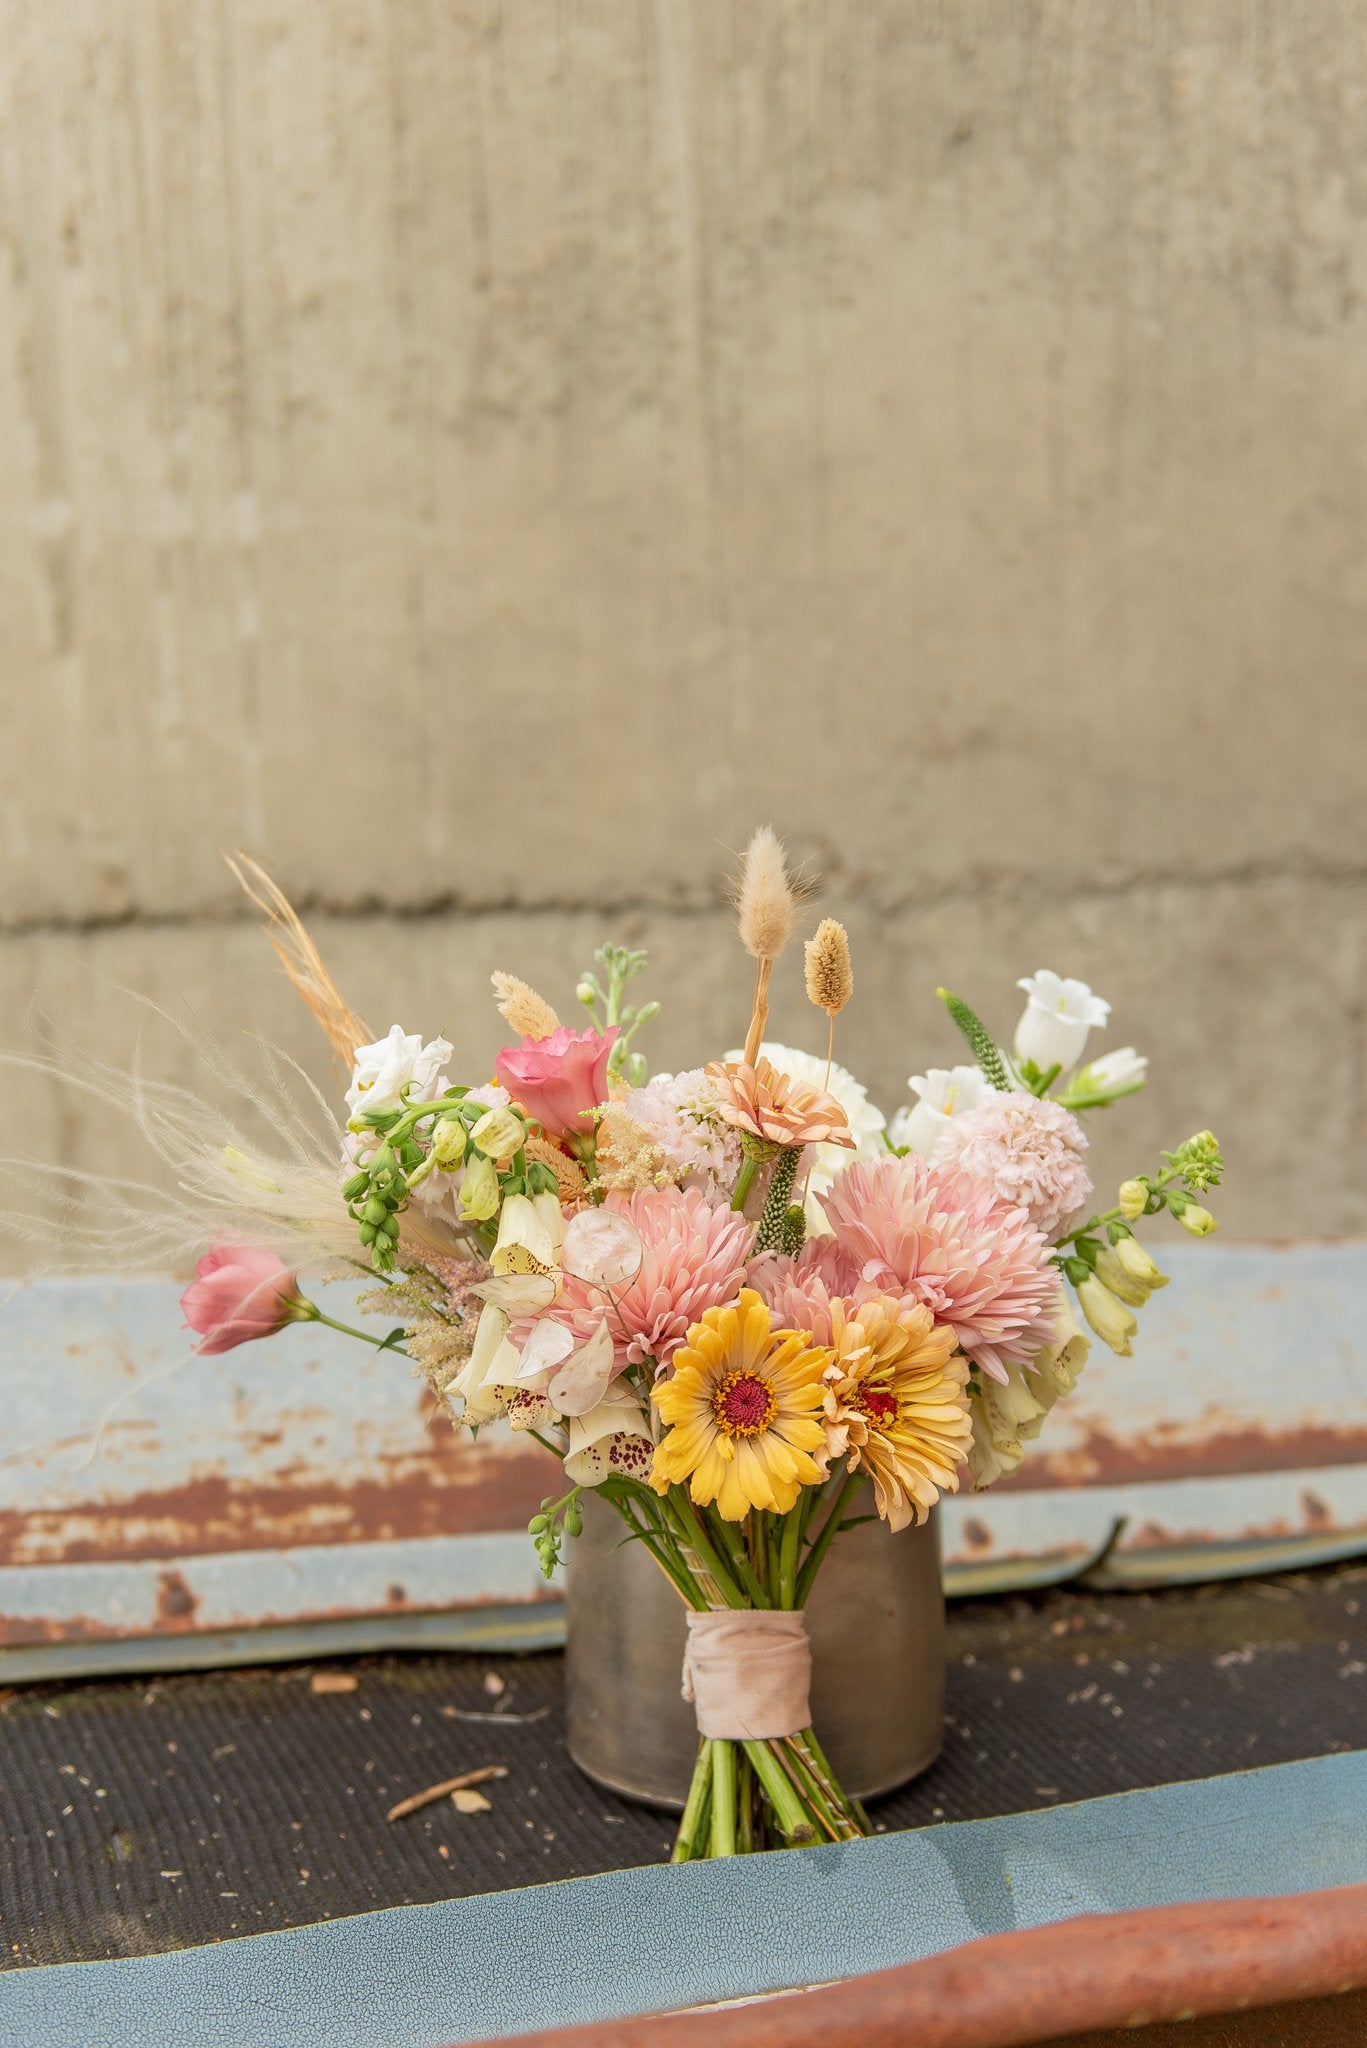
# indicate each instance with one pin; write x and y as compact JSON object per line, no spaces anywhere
{"x":316,"y":1315}
{"x":794,"y":1823}
{"x":826,"y":1537}
{"x":695,"y":1807}
{"x":787,"y":1558}
{"x":723,"y":1838}
{"x":745,"y":1180}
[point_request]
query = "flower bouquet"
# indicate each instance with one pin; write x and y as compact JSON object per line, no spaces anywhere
{"x":726,"y":1300}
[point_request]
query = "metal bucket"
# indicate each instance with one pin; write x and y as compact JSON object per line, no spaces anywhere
{"x":877,"y":1625}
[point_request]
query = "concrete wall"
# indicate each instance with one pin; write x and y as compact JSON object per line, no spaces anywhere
{"x":484,"y":459}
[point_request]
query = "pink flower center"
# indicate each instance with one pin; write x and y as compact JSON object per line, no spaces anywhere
{"x":744,"y":1404}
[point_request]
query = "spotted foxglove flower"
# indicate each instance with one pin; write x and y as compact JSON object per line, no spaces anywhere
{"x":942,"y":1092}
{"x":1060,"y":1014}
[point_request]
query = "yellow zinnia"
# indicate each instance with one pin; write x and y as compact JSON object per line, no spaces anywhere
{"x":744,"y":1403}
{"x":897,"y":1404}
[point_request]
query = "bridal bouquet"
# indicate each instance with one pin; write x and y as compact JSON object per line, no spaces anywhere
{"x":731,"y":1301}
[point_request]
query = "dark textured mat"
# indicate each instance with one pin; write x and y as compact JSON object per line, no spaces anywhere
{"x":138,"y":1816}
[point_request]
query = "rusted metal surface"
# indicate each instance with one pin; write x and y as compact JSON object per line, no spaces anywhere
{"x":145,"y":1493}
{"x":1235,"y":1439}
{"x":1011,"y":1990}
{"x":148,"y":1493}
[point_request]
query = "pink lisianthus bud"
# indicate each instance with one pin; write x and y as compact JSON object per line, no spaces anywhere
{"x":558,"y":1079}
{"x":240,"y":1292}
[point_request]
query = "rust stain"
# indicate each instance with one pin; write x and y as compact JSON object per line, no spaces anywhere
{"x":406,"y":1497}
{"x":1164,"y":1453}
{"x":176,"y":1604}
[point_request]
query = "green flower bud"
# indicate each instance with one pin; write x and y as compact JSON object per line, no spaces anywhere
{"x":354,"y":1187}
{"x":1133,"y":1199}
{"x":1197,"y":1220}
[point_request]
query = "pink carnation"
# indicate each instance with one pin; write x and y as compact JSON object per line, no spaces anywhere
{"x":693,"y":1257}
{"x":1028,"y":1151}
{"x":929,"y":1234}
{"x":559,"y":1079}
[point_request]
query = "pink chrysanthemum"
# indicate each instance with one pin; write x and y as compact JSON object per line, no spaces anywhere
{"x":693,"y":1257}
{"x":928,"y":1234}
{"x":800,"y":1291}
{"x":1029,"y":1151}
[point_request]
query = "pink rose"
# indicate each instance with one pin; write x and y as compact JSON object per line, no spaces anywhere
{"x":557,"y":1079}
{"x":240,"y":1292}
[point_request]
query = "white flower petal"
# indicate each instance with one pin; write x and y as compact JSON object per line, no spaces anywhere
{"x":583,"y":1380}
{"x":602,"y":1248}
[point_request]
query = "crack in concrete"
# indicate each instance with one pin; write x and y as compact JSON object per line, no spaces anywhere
{"x":848,"y":886}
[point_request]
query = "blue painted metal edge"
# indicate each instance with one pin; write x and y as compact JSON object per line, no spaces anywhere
{"x":637,"y":1941}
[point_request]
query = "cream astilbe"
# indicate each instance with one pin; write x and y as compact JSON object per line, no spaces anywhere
{"x":627,"y":1155}
{"x":224,"y":1183}
{"x":529,"y":1014}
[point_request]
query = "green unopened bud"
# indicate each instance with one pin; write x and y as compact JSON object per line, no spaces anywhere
{"x":574,"y":1521}
{"x":537,"y":1524}
{"x":479,"y":1190}
{"x":1133,"y":1199}
{"x":367,"y":1233}
{"x":1197,"y":1220}
{"x":375,"y":1210}
{"x":499,"y":1134}
{"x":355,"y":1187}
{"x":587,"y":993}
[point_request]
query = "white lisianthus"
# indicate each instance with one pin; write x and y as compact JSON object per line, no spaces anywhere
{"x":400,"y":1062}
{"x":867,"y":1123}
{"x":943,"y":1092}
{"x":1057,"y":1019}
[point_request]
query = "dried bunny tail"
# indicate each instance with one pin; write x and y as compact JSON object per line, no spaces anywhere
{"x":529,"y":1014}
{"x":766,"y":905}
{"x":301,"y":959}
{"x":765,"y":900}
{"x":830,"y":977}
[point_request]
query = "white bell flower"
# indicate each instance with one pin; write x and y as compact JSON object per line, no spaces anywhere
{"x":1060,"y":1014}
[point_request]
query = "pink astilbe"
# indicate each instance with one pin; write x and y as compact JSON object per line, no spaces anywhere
{"x":1028,"y":1151}
{"x":929,"y":1234}
{"x":693,"y":1257}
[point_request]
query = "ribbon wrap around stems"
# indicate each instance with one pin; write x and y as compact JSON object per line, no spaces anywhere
{"x":748,"y":1672}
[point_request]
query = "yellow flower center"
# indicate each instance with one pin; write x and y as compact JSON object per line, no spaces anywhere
{"x":744,"y":1404}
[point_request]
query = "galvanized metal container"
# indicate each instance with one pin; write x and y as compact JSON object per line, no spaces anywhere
{"x":877,"y":1623}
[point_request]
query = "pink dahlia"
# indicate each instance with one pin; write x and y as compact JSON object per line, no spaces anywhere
{"x":800,"y":1291}
{"x":559,"y":1079}
{"x":930,"y":1234}
{"x":1029,"y":1152}
{"x":693,"y":1257}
